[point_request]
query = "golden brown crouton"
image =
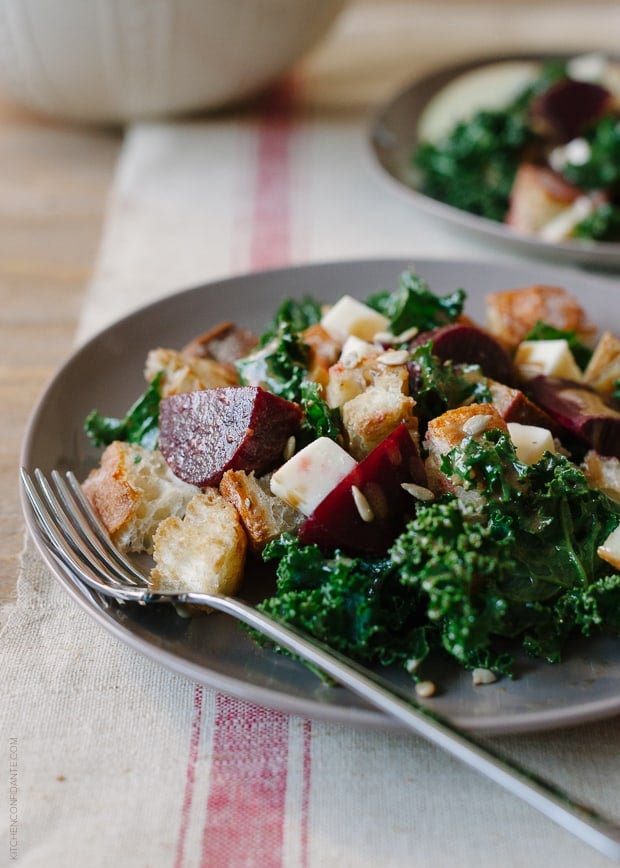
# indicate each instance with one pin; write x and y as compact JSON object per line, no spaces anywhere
{"x":512,"y":313}
{"x":370,"y":417}
{"x":186,"y":375}
{"x":264,"y":516}
{"x":603,"y":371}
{"x":538,"y":195}
{"x":446,"y":431}
{"x":603,"y":473}
{"x":132,"y":490}
{"x":202,"y":552}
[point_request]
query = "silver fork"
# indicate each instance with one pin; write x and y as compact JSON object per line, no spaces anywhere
{"x":81,"y":547}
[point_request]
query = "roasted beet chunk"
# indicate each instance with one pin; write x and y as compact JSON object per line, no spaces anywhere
{"x":204,"y":433}
{"x":580,"y":411}
{"x":366,"y":511}
{"x":468,"y":344}
{"x":567,"y":108}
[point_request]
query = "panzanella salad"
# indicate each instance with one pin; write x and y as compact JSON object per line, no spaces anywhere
{"x":419,"y":481}
{"x":547,"y":164}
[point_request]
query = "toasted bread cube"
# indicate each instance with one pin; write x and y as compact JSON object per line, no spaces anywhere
{"x":372,"y":416}
{"x":448,"y":430}
{"x":264,"y":516}
{"x":202,"y":552}
{"x":537,"y":197}
{"x":183,"y":374}
{"x":132,"y":490}
{"x":603,"y":473}
{"x":512,"y":314}
{"x":603,"y":370}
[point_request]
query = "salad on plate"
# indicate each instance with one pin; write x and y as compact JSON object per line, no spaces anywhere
{"x":545,"y":163}
{"x":421,"y":483}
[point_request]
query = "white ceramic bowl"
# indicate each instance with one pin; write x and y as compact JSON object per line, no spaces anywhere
{"x":118,"y":60}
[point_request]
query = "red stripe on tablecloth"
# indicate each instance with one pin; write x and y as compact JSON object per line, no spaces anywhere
{"x":245,"y":811}
{"x":270,"y":244}
{"x":190,"y":777}
{"x":247,"y":797}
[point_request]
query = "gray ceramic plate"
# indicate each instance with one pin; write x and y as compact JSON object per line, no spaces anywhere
{"x":106,"y":373}
{"x":394,"y":132}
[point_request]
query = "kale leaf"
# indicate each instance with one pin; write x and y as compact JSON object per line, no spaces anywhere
{"x":356,"y":605}
{"x":438,"y":386}
{"x":602,"y":168}
{"x":280,"y":365}
{"x":140,"y":425}
{"x":414,"y":305}
{"x":517,"y":562}
{"x":320,"y":420}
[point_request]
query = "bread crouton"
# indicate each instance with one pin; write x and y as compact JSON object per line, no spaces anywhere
{"x":371,"y":416}
{"x":202,"y":552}
{"x":132,"y":490}
{"x":224,"y":343}
{"x":264,"y":516}
{"x":446,"y":431}
{"x":603,"y":473}
{"x":324,"y":352}
{"x":181,"y":374}
{"x":511,"y":314}
{"x":538,"y":196}
{"x":603,"y":371}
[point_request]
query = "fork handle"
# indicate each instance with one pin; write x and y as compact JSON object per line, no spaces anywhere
{"x":588,"y":825}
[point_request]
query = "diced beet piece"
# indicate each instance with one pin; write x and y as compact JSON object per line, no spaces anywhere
{"x":568,"y":107}
{"x":337,"y":522}
{"x":467,"y":344}
{"x":581,"y":411}
{"x":204,"y":433}
{"x":513,"y":405}
{"x":225,"y":343}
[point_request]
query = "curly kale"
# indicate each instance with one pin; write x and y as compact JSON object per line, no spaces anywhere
{"x":414,"y":305}
{"x":602,"y":225}
{"x":140,"y":425}
{"x":602,"y":168}
{"x":439,"y":386}
{"x":474,"y":167}
{"x":281,"y":366}
{"x":356,"y":605}
{"x":518,"y":562}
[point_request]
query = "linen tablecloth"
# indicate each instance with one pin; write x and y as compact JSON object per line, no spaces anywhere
{"x":111,"y":760}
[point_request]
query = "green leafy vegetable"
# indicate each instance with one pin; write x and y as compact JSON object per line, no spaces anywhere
{"x":356,"y":605}
{"x":474,"y":167}
{"x":438,"y":386}
{"x":320,"y":420}
{"x":140,"y":425}
{"x":414,"y":305}
{"x":602,"y":225}
{"x":279,"y":366}
{"x":518,"y":562}
{"x":602,"y":168}
{"x":297,"y":315}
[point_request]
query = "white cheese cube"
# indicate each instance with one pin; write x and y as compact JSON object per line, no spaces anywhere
{"x":530,"y":441}
{"x":551,"y":358}
{"x":307,"y":478}
{"x":610,"y":550}
{"x":352,"y":317}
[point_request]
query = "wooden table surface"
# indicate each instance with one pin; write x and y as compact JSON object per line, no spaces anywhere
{"x":53,"y":188}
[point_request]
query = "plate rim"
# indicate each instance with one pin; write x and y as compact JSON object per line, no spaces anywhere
{"x":536,"y":721}
{"x":601,"y":253}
